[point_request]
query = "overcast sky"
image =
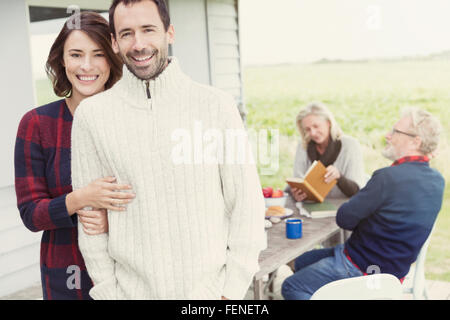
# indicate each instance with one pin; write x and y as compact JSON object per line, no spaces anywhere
{"x":279,"y":31}
{"x":308,"y":30}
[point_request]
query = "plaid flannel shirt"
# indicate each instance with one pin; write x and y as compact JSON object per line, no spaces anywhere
{"x":42,"y":182}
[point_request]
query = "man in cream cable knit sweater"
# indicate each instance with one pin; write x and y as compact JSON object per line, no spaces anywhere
{"x":195,"y":229}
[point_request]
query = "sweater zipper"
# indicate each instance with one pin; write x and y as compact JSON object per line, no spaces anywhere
{"x":147,"y":89}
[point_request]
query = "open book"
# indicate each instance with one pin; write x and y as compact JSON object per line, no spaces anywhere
{"x":319,"y":210}
{"x":313,"y":184}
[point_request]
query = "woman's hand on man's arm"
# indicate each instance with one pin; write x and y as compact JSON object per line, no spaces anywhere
{"x":100,"y":193}
{"x":103,"y":194}
{"x":94,"y":221}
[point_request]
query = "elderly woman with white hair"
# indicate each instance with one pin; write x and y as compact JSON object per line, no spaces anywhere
{"x":323,"y":139}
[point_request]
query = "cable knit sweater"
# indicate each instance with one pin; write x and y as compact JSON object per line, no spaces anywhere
{"x":195,"y":229}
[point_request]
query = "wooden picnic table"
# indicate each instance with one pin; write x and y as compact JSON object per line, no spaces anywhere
{"x":281,"y":250}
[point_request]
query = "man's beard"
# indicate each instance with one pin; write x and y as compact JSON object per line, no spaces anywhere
{"x":158,"y":64}
{"x":389,"y":153}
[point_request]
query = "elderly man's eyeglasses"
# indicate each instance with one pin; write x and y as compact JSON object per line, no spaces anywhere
{"x":402,"y":132}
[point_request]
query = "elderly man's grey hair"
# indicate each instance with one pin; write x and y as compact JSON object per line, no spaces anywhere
{"x":318,"y":109}
{"x":426,"y":126}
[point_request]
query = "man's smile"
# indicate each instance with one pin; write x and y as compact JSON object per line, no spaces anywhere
{"x":142,"y":60}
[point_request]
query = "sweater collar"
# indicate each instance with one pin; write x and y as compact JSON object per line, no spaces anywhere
{"x":134,"y":90}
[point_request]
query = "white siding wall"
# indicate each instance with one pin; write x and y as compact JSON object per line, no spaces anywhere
{"x":191,"y":37}
{"x":224,"y":49}
{"x":19,"y":248}
{"x":16,"y":83}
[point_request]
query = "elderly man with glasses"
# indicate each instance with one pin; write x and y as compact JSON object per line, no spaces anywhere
{"x":391,"y":217}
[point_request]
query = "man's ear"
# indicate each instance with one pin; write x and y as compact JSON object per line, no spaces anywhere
{"x":114,"y":44}
{"x":417,"y":142}
{"x":171,"y":34}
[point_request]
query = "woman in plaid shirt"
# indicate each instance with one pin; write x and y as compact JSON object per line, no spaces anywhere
{"x":80,"y":64}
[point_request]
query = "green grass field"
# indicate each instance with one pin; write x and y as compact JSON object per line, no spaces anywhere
{"x":366,"y":99}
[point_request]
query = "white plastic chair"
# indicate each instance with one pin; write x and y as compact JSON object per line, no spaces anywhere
{"x":418,"y":285}
{"x":381,"y":286}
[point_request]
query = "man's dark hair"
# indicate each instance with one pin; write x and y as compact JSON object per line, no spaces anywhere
{"x":162,"y":10}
